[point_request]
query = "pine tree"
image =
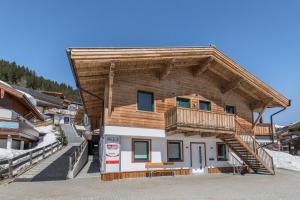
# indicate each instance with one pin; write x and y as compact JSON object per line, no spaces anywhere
{"x":14,"y":74}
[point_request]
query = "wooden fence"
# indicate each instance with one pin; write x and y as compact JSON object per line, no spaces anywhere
{"x":15,"y":165}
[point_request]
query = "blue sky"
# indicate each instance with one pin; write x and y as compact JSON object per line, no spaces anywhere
{"x":262,"y":36}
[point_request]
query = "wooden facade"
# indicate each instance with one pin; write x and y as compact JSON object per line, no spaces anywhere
{"x":204,"y":73}
{"x":110,"y":81}
{"x":12,"y":99}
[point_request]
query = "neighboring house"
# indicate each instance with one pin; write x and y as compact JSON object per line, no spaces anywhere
{"x":54,"y":105}
{"x":289,"y":139}
{"x":43,"y":101}
{"x":187,"y":108}
{"x":60,"y":95}
{"x":17,"y":112}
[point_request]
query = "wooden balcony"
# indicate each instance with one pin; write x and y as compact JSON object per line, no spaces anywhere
{"x":17,"y":129}
{"x":263,"y":130}
{"x":193,"y":120}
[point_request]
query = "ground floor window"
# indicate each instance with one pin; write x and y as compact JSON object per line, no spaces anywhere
{"x":141,"y":150}
{"x":175,"y":151}
{"x":221,"y":152}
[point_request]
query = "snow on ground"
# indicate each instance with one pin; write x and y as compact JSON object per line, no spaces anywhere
{"x":285,"y":161}
{"x":49,"y":138}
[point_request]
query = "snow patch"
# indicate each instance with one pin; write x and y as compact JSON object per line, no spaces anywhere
{"x":48,"y":138}
{"x":285,"y":161}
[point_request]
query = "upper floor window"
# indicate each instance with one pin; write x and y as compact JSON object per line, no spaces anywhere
{"x":145,"y":101}
{"x":230,"y":109}
{"x":185,"y":103}
{"x":205,"y":105}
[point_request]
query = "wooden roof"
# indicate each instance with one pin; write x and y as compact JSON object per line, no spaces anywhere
{"x":91,"y":67}
{"x":22,"y":100}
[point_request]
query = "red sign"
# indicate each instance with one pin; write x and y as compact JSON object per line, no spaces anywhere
{"x":112,"y":162}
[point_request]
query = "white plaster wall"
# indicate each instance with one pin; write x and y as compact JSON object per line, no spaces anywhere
{"x":159,"y":152}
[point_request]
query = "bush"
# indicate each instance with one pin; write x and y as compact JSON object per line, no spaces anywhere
{"x":62,"y":138}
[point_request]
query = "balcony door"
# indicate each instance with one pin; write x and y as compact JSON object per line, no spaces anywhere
{"x":198,"y":158}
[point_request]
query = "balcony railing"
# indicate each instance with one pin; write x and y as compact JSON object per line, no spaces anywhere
{"x":195,"y":120}
{"x":17,"y":127}
{"x":263,"y":129}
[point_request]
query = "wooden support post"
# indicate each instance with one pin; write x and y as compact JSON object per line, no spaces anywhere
{"x":30,"y":154}
{"x":70,"y":163}
{"x":2,"y":93}
{"x":259,"y":116}
{"x":10,"y":168}
{"x":110,"y":82}
{"x":43,"y":152}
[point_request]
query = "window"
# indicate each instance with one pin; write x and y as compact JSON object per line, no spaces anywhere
{"x":205,"y":105}
{"x":222,"y":153}
{"x":185,"y":103}
{"x":141,"y":150}
{"x":145,"y":101}
{"x":175,"y":151}
{"x":230,"y":109}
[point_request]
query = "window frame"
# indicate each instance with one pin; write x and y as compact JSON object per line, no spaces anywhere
{"x":234,"y":107}
{"x":182,"y":98}
{"x":204,"y":101}
{"x":133,"y":150}
{"x":181,"y":151}
{"x":217,"y":151}
{"x":152,"y":101}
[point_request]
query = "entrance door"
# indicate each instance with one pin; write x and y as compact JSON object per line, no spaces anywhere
{"x":198,"y":157}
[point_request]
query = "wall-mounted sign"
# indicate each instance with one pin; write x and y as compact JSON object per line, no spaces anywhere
{"x":112,"y":153}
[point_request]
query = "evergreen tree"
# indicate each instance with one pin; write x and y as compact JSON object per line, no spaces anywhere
{"x":14,"y":74}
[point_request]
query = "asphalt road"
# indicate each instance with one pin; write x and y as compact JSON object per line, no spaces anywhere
{"x":284,"y":185}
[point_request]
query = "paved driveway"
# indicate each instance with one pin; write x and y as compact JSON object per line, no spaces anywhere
{"x":284,"y":185}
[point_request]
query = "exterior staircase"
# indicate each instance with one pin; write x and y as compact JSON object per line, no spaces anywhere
{"x":250,"y":152}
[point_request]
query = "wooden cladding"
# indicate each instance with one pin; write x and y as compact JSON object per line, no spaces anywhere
{"x":263,"y":129}
{"x":197,"y":120}
{"x":138,"y":174}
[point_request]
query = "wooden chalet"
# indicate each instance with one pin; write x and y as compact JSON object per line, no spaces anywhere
{"x":191,"y":106}
{"x":17,"y":112}
{"x":289,"y":139}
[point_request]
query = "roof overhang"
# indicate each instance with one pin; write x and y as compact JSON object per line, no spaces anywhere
{"x":91,"y":66}
{"x":23,"y":99}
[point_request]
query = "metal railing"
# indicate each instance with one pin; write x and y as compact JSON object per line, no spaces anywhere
{"x":251,"y":142}
{"x":73,"y":158}
{"x":236,"y":164}
{"x":13,"y":166}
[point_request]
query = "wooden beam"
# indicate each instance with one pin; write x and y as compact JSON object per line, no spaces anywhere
{"x":204,"y":66}
{"x":2,"y":93}
{"x":165,"y":70}
{"x":232,"y":85}
{"x":110,"y":85}
{"x":259,"y":116}
{"x":260,"y":103}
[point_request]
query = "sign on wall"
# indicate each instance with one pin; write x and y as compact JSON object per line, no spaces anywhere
{"x":112,"y":153}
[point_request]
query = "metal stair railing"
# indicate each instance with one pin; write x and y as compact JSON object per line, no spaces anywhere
{"x":250,"y":141}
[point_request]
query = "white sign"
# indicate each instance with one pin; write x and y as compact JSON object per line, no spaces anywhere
{"x":112,"y":153}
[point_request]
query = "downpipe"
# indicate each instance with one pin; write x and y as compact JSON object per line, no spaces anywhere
{"x":272,"y":122}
